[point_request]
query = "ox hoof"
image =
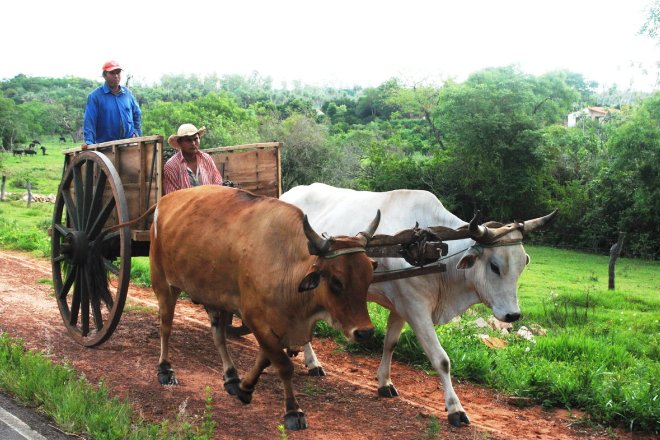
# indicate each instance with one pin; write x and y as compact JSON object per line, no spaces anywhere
{"x":231,"y":382}
{"x":231,"y":386}
{"x":458,"y":418}
{"x":166,"y":375}
{"x":316,"y":371}
{"x":295,"y":420}
{"x":388,"y":391}
{"x":244,"y":396}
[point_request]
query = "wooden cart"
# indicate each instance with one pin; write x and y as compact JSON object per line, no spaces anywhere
{"x":111,"y":183}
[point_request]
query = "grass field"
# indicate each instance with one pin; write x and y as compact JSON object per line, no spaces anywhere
{"x":600,"y":352}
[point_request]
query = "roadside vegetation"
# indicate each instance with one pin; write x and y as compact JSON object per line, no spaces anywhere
{"x":79,"y":407}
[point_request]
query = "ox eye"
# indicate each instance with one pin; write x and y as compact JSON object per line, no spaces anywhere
{"x":336,"y":286}
{"x":494,"y":268}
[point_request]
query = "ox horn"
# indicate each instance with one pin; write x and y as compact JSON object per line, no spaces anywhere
{"x":531,"y":225}
{"x":479,"y":232}
{"x":371,"y":229}
{"x":316,"y":244}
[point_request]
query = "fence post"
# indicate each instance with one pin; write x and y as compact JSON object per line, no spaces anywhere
{"x":29,"y":191}
{"x":2,"y":190}
{"x":615,"y":251}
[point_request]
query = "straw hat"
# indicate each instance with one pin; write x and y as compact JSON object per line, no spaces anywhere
{"x":185,"y":130}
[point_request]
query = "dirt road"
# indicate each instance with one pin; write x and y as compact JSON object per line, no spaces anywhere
{"x":342,"y":405}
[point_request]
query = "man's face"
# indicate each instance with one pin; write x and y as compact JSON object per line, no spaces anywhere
{"x":112,"y":78}
{"x":189,"y":144}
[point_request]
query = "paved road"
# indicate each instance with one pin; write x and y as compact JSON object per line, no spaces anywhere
{"x":21,"y":423}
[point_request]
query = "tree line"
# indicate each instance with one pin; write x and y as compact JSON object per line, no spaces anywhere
{"x":497,"y":142}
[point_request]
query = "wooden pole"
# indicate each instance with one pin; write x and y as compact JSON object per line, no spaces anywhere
{"x":615,"y":251}
{"x":2,"y":190}
{"x":29,"y":191}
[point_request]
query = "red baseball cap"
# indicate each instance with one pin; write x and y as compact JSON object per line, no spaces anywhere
{"x":111,"y":65}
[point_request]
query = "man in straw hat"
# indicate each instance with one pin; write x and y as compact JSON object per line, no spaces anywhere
{"x":111,"y":113}
{"x":189,"y":166}
{"x":192,"y":167}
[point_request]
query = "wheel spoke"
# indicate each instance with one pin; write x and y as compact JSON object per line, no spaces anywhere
{"x":84,"y":309}
{"x":61,"y":229}
{"x":78,"y":189}
{"x":70,"y":208}
{"x":96,"y":305}
{"x":75,"y":301}
{"x":68,"y":282}
{"x":101,"y":219}
{"x":97,"y":200}
{"x":110,"y":267}
{"x":88,"y":185}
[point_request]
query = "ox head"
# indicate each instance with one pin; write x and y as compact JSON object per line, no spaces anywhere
{"x":347,"y":270}
{"x":496,"y":260}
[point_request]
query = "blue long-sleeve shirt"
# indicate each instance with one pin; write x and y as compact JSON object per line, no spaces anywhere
{"x":110,"y":117}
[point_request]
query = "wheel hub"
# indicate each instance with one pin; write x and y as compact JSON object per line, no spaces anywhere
{"x":75,"y":246}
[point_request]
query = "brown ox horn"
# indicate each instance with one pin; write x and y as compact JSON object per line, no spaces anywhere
{"x":531,"y":225}
{"x":365,"y":236}
{"x":316,"y":244}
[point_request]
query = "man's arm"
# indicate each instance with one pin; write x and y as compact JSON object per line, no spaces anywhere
{"x":137,"y":117}
{"x":89,"y":121}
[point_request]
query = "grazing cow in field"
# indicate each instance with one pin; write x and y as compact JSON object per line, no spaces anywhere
{"x":62,"y":139}
{"x":29,"y":152}
{"x":233,"y":251}
{"x":18,"y":152}
{"x":482,"y":269}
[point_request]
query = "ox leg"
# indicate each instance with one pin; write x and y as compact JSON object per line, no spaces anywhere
{"x":427,"y":337}
{"x":246,"y":386}
{"x":167,"y":297}
{"x":395,"y":324}
{"x":294,"y":418}
{"x":314,"y":367}
{"x":219,"y":322}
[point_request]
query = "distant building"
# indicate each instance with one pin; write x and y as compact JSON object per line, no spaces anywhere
{"x":593,"y":113}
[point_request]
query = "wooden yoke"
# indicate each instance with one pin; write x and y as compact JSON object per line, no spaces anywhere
{"x":418,"y":246}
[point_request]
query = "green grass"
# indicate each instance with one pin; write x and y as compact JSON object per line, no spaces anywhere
{"x":79,"y":407}
{"x":43,"y":172}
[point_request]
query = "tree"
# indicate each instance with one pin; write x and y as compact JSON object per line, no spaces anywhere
{"x":491,"y":125}
{"x":651,"y":26}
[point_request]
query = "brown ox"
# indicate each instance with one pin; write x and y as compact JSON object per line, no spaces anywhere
{"x":233,"y":251}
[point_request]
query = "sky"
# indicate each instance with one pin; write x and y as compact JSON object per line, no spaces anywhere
{"x":339,"y":43}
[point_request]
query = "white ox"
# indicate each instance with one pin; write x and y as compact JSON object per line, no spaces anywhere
{"x":480,"y":270}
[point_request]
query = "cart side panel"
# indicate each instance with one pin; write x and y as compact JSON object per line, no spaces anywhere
{"x":256,"y":168}
{"x":139,"y":164}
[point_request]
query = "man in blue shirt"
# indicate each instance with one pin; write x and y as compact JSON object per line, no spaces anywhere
{"x":112,"y":112}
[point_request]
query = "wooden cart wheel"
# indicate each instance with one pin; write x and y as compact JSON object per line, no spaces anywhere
{"x":91,"y":270}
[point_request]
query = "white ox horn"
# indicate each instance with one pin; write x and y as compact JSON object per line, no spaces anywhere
{"x":531,"y":225}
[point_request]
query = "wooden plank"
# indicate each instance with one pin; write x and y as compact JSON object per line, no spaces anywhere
{"x":253,"y":167}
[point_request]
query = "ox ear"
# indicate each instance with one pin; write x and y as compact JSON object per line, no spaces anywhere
{"x":469,"y":258}
{"x":311,"y":281}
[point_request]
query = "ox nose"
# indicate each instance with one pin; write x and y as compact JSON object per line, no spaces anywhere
{"x":511,"y":317}
{"x":363,"y":335}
